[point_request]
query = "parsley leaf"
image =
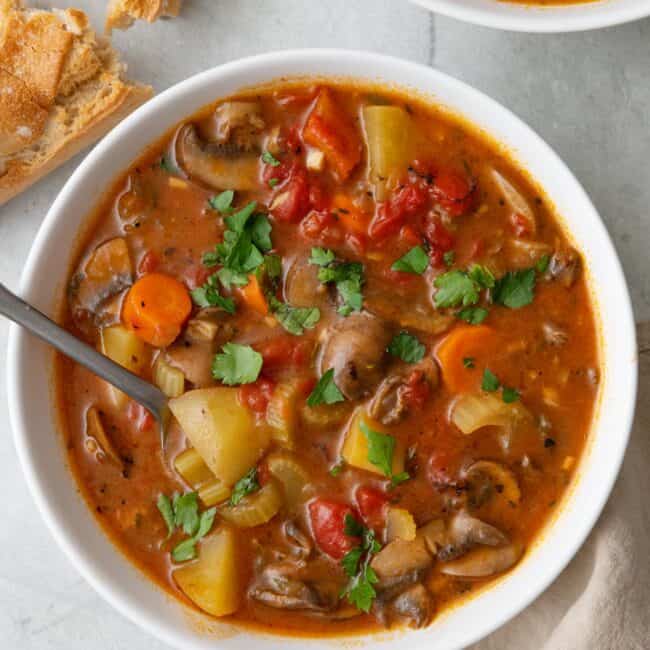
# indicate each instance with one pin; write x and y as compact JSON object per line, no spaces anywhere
{"x":294,"y":319}
{"x":272,"y":266}
{"x":321,"y":256}
{"x":509,"y":395}
{"x":415,"y":261}
{"x":261,"y":232}
{"x":269,"y":159}
{"x":490,"y":382}
{"x":542,"y":263}
{"x":186,"y":550}
{"x":399,"y":478}
{"x":515,"y":289}
{"x":473,"y":315}
{"x":352,"y":527}
{"x":168,"y":165}
{"x":228,"y":278}
{"x":482,"y":275}
{"x":208,"y":296}
{"x":237,"y":364}
{"x":455,"y":288}
{"x":406,"y":347}
{"x":356,"y":564}
{"x":164,"y":505}
{"x":337,"y":469}
{"x":245,"y":485}
{"x":350,"y":561}
{"x":325,"y":391}
{"x":186,"y":512}
{"x":468,"y":362}
{"x":222,"y":202}
{"x":273,"y":182}
{"x":448,"y":258}
{"x":381,"y":447}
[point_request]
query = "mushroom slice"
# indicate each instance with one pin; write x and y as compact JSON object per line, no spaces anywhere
{"x":434,"y":534}
{"x":483,"y":562}
{"x":194,"y":360}
{"x":300,"y":543}
{"x":400,"y":560}
{"x":499,"y":478}
{"x":464,"y":531}
{"x":238,"y":121}
{"x":525,"y":253}
{"x":355,"y":348}
{"x":564,"y":266}
{"x":98,"y":441}
{"x":413,"y":606}
{"x":207,"y":325}
{"x":515,"y":200}
{"x":302,"y":288}
{"x":221,"y":166}
{"x":104,"y":274}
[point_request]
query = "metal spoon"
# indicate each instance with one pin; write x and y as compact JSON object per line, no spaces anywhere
{"x":47,"y":330}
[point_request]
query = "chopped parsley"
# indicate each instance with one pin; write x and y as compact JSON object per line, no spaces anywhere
{"x":468,"y":362}
{"x":294,"y":319}
{"x":509,"y":395}
{"x":406,"y":347}
{"x":273,"y":182}
{"x":247,"y":484}
{"x":515,"y":289}
{"x":269,"y":159}
{"x":167,"y":164}
{"x":381,"y":448}
{"x":482,"y":275}
{"x":456,"y":288}
{"x":208,"y":295}
{"x":346,"y":276}
{"x":356,"y":564}
{"x":448,"y":258}
{"x":337,"y":469}
{"x":229,"y":278}
{"x":473,"y":315}
{"x":325,"y":391}
{"x":222,"y":202}
{"x":237,"y":364}
{"x":542,"y":263}
{"x":490,"y":382}
{"x":182,"y":512}
{"x":415,"y":261}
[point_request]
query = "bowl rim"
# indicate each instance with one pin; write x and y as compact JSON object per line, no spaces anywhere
{"x":538,"y":19}
{"x":18,"y":339}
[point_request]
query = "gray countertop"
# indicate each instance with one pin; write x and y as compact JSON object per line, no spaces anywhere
{"x":587,"y":95}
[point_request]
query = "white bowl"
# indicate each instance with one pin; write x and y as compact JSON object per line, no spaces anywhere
{"x":41,"y":450}
{"x":535,"y":18}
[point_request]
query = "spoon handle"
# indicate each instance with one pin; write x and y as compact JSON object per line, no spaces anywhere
{"x":41,"y":326}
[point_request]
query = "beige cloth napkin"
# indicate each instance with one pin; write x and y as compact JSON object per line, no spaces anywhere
{"x":602,"y":599}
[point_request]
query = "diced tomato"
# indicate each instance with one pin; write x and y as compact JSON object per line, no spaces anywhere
{"x":333,"y":131}
{"x":372,"y":505}
{"x":328,"y":526}
{"x":196,"y":275}
{"x":318,"y":199}
{"x":357,"y":242}
{"x":291,"y":203}
{"x":440,"y":241}
{"x":385,"y":223}
{"x":301,"y":352}
{"x":283,"y":351}
{"x":520,"y":225}
{"x":148,"y":263}
{"x":293,"y":140}
{"x":409,"y":236}
{"x":256,"y":396}
{"x":139,"y":415}
{"x":406,"y":204}
{"x":296,"y":98}
{"x":278,"y":173}
{"x":322,"y":227}
{"x":454,"y":192}
{"x":417,"y":389}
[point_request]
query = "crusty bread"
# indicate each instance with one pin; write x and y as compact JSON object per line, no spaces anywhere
{"x":61,"y":89}
{"x":121,"y":14}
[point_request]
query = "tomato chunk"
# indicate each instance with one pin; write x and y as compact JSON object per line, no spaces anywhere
{"x":440,"y":241}
{"x":332,"y":130}
{"x":148,"y":263}
{"x":292,"y":203}
{"x":328,"y":527}
{"x":455,"y":192}
{"x":417,"y":389}
{"x":405,"y":205}
{"x":372,"y":505}
{"x":257,"y":395}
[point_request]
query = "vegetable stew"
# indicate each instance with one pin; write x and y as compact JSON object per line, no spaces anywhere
{"x":379,"y":348}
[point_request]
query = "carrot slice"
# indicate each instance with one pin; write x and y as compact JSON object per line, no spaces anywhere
{"x":254,"y":296}
{"x":349,"y":215}
{"x":331,"y":129}
{"x":464,"y":347}
{"x":156,"y":307}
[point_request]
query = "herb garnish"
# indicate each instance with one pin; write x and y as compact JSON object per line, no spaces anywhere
{"x":542,"y":263}
{"x":448,"y":258}
{"x":515,"y":289}
{"x":406,"y":347}
{"x":222,"y":202}
{"x":337,"y":469}
{"x":168,"y":165}
{"x":468,"y":362}
{"x":325,"y":391}
{"x":381,"y":447}
{"x":247,"y":484}
{"x":237,"y":364}
{"x":473,"y":315}
{"x":356,"y":564}
{"x":208,"y":295}
{"x":269,"y":159}
{"x":491,"y":384}
{"x":182,"y":511}
{"x":347,"y":276}
{"x":415,"y":261}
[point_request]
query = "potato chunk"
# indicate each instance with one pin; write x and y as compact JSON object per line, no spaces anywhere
{"x":222,"y":430}
{"x":213,"y":582}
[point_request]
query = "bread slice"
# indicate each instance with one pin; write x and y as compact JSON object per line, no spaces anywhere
{"x":61,"y":89}
{"x":121,"y":14}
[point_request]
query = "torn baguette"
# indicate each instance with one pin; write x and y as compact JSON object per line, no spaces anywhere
{"x":61,"y":89}
{"x":121,"y":14}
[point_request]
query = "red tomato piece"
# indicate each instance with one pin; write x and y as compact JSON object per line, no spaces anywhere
{"x":148,"y":263}
{"x":409,"y":236}
{"x":520,"y":224}
{"x":278,"y":173}
{"x":440,"y":241}
{"x":454,"y":192}
{"x":291,"y":203}
{"x":417,"y":389}
{"x":276,"y":351}
{"x":321,"y":227}
{"x":256,"y":396}
{"x":139,"y":415}
{"x":372,"y":505}
{"x":405,"y":205}
{"x":328,"y":526}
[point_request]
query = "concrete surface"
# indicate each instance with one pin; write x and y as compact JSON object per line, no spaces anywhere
{"x":588,"y":95}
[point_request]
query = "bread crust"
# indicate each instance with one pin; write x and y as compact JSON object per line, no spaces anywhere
{"x":121,"y":14}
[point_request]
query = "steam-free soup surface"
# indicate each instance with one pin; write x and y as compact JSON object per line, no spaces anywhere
{"x":380,"y":352}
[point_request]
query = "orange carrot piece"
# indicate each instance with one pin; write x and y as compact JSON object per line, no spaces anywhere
{"x":331,"y":129}
{"x":156,"y":307}
{"x":349,"y":215}
{"x":475,"y":342}
{"x":254,"y":296}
